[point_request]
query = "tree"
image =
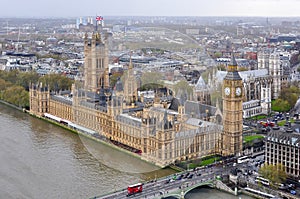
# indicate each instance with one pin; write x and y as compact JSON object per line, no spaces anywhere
{"x":274,"y":173}
{"x":56,"y":82}
{"x":17,"y":95}
{"x":24,"y":79}
{"x":290,"y":94}
{"x":114,"y":78}
{"x":183,"y":89}
{"x":10,"y":76}
{"x":151,"y":81}
{"x":4,"y":85}
{"x":280,"y":105}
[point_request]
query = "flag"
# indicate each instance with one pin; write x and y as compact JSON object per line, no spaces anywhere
{"x":99,"y":18}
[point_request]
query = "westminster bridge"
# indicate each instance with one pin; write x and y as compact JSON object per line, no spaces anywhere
{"x":180,"y":184}
{"x":177,"y":185}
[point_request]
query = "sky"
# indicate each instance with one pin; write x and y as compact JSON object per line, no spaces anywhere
{"x":77,"y":8}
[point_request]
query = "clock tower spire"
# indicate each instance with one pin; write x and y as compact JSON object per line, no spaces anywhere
{"x":232,"y":142}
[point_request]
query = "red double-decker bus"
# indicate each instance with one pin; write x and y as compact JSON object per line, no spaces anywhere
{"x":133,"y":189}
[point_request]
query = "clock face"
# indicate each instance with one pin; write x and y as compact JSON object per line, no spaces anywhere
{"x":238,"y":91}
{"x":227,"y":91}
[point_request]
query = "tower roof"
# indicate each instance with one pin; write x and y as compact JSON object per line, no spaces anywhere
{"x":200,"y":84}
{"x":232,"y":73}
{"x":232,"y":61}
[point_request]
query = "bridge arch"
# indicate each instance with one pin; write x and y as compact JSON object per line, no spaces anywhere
{"x":195,"y":186}
{"x":186,"y":188}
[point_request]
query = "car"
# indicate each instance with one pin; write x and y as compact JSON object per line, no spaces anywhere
{"x":168,"y":181}
{"x":179,"y":177}
{"x":293,"y":192}
{"x":291,"y":186}
{"x":174,"y":177}
{"x":186,"y":175}
{"x":190,"y":176}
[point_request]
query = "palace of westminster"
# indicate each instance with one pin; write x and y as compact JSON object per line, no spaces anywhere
{"x":163,"y":131}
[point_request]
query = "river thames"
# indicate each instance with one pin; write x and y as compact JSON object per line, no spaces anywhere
{"x":41,"y":160}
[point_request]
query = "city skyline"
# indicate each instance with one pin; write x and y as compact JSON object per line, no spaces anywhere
{"x":55,"y":8}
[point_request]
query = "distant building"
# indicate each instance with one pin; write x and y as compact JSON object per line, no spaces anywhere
{"x":192,"y":31}
{"x":86,"y":24}
{"x":276,"y":67}
{"x":282,"y":146}
{"x":257,"y":85}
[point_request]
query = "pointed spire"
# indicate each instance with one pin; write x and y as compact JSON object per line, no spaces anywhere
{"x":201,"y":85}
{"x":130,"y":61}
{"x":217,"y":104}
{"x":232,"y":72}
{"x":232,"y":61}
{"x":232,"y":66}
{"x":209,"y":81}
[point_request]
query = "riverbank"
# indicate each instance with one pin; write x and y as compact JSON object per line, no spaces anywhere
{"x":36,"y":154}
{"x":12,"y":106}
{"x":95,"y":138}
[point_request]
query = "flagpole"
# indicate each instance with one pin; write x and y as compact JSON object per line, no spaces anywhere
{"x":96,"y":23}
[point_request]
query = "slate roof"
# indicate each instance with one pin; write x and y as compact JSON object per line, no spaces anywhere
{"x":245,"y":75}
{"x":233,"y":75}
{"x":284,"y":136}
{"x":198,"y":110}
{"x":201,"y":84}
{"x":174,"y":104}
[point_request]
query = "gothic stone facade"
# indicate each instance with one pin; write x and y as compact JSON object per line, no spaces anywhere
{"x":163,"y":136}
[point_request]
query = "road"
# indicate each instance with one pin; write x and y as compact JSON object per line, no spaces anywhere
{"x":172,"y":183}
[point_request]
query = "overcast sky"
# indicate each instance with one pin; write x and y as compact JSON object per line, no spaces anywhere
{"x":76,"y":8}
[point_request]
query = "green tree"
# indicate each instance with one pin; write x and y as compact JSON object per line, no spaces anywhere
{"x":217,"y":54}
{"x":24,"y":79}
{"x":114,"y":78}
{"x":17,"y":95}
{"x":206,"y":73}
{"x":183,"y":88}
{"x":56,"y":82}
{"x":280,"y":105}
{"x":10,"y":76}
{"x":274,"y":173}
{"x":151,"y":81}
{"x":290,"y":94}
{"x":4,"y":85}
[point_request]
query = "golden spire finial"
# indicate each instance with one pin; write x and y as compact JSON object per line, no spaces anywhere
{"x":98,"y":36}
{"x":232,"y":66}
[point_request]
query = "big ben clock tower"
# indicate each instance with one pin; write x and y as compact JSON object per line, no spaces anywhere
{"x":232,"y":142}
